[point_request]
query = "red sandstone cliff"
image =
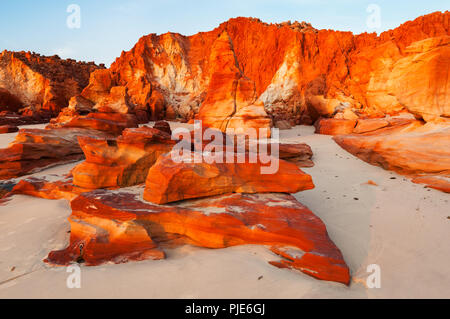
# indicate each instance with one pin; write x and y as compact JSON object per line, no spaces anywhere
{"x":41,"y":84}
{"x":297,"y":72}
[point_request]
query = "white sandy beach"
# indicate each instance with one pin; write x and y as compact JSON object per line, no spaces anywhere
{"x":401,"y":226}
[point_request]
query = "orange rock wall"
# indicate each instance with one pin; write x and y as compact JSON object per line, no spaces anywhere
{"x":297,"y":72}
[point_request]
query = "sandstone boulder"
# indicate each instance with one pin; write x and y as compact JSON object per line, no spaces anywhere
{"x":120,"y":162}
{"x":117,"y":226}
{"x":172,"y":180}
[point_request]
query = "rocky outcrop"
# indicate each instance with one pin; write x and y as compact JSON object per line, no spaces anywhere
{"x":172,"y":180}
{"x":439,"y":182}
{"x":407,"y":149}
{"x":8,"y":129}
{"x":117,"y":226}
{"x":113,"y":123}
{"x":334,"y":126}
{"x":48,"y":188}
{"x":31,"y":82}
{"x":300,"y":154}
{"x":227,"y":75}
{"x":35,"y":149}
{"x":369,"y":125}
{"x":414,"y":149}
{"x":420,"y":80}
{"x":120,"y":162}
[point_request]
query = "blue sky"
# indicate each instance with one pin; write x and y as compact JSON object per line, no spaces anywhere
{"x":110,"y":26}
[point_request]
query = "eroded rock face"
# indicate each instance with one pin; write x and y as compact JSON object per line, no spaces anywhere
{"x":170,"y":180}
{"x":36,"y":149}
{"x":227,"y":75}
{"x":421,"y":79}
{"x":44,"y":84}
{"x":231,"y":99}
{"x":121,"y":162}
{"x":369,"y":125}
{"x":118,"y":226}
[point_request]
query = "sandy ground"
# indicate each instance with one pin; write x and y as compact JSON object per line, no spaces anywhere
{"x":398,"y":225}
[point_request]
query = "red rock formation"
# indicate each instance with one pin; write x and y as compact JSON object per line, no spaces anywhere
{"x":420,"y":80}
{"x":113,"y":123}
{"x":125,"y":161}
{"x":121,"y":162}
{"x":231,"y":99}
{"x":171,"y":181}
{"x":334,"y":126}
{"x":118,"y":227}
{"x":26,"y":118}
{"x":409,"y":148}
{"x":8,"y":129}
{"x":47,"y":189}
{"x":9,"y":102}
{"x":163,"y":126}
{"x":439,"y":182}
{"x":298,"y":73}
{"x":44,"y":84}
{"x":369,"y":125}
{"x":35,"y":149}
{"x":301,"y":154}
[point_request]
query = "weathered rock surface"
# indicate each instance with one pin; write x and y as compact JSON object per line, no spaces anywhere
{"x":334,"y":126}
{"x":301,"y":154}
{"x":230,"y":102}
{"x":8,"y":129}
{"x":118,"y":226}
{"x":410,"y":149}
{"x":120,"y":162}
{"x":42,"y":84}
{"x":36,"y":149}
{"x":420,"y":80}
{"x":298,"y":74}
{"x":59,"y":188}
{"x":439,"y":182}
{"x":369,"y":125}
{"x":28,"y":117}
{"x":170,"y":181}
{"x":112,"y":123}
